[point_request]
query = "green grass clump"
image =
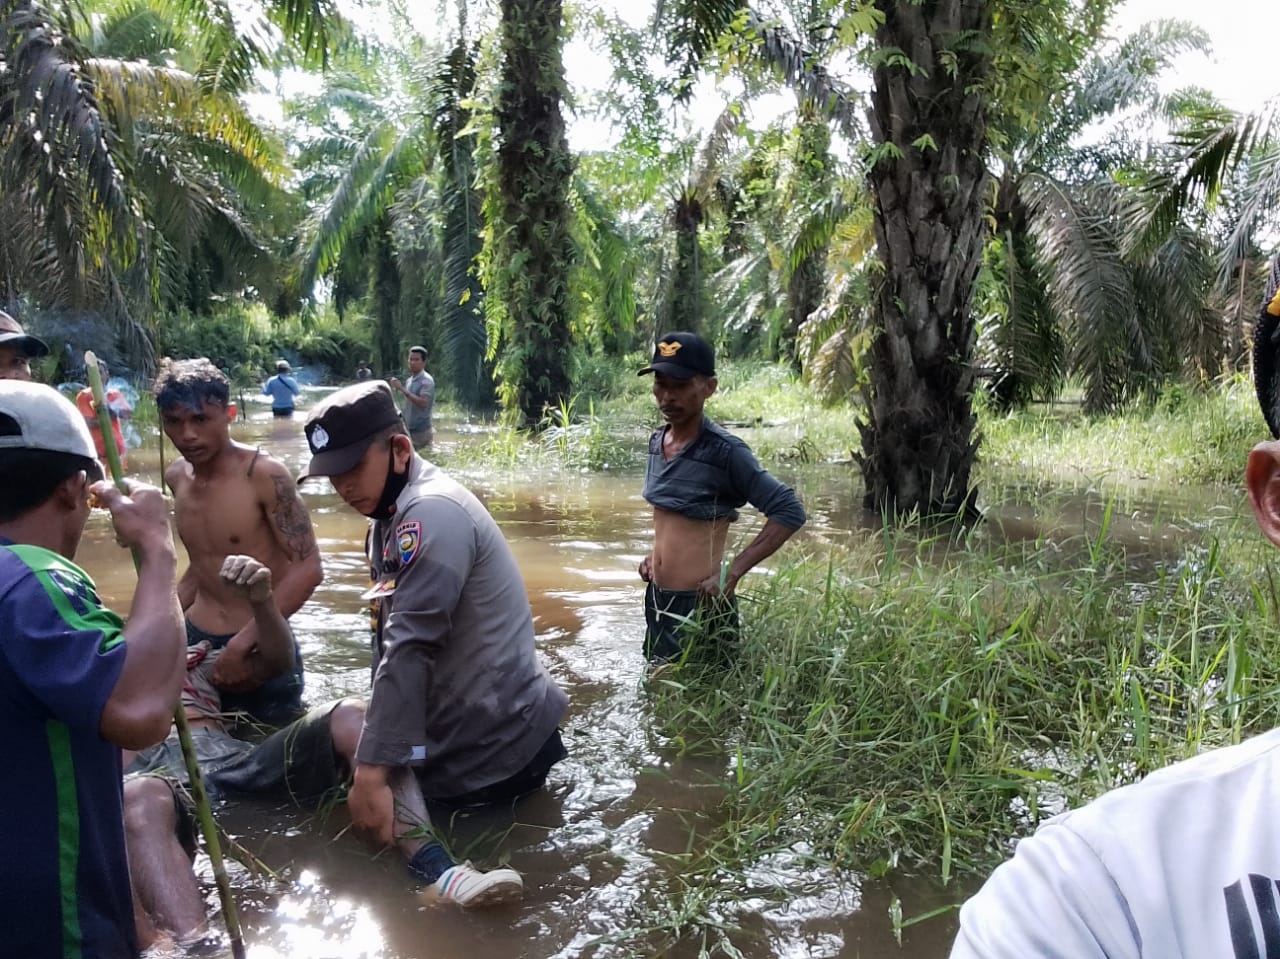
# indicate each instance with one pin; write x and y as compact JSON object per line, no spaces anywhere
{"x":1185,"y":437}
{"x":919,"y":704}
{"x":586,"y":439}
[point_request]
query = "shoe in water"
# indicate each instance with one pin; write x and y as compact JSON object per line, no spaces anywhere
{"x":469,"y":887}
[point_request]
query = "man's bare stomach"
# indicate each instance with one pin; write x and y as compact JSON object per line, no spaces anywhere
{"x":686,"y":551}
{"x":217,"y":610}
{"x":218,"y":615}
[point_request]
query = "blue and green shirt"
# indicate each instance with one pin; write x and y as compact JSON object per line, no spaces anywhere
{"x":64,"y":886}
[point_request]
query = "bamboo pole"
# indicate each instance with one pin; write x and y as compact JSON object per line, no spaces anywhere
{"x":204,"y":811}
{"x":164,"y":486}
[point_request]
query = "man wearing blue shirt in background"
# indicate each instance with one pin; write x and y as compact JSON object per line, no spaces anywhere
{"x":76,"y":683}
{"x":282,"y":388}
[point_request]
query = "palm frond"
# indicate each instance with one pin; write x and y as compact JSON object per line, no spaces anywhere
{"x":133,"y":30}
{"x":1209,"y":147}
{"x":58,"y":149}
{"x":364,"y":192}
{"x":1256,"y":211}
{"x":1091,"y":286}
{"x":695,"y":29}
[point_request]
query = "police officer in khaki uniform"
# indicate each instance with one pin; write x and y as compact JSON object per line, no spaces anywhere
{"x":459,"y":695}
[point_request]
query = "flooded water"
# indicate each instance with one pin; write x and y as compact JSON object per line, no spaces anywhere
{"x":603,"y":842}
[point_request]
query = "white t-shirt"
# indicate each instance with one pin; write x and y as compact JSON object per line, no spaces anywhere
{"x":1182,"y":864}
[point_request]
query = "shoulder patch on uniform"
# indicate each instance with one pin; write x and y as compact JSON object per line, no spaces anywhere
{"x":408,"y":539}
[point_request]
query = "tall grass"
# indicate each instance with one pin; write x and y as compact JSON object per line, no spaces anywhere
{"x":1185,"y":437}
{"x":917,"y":704}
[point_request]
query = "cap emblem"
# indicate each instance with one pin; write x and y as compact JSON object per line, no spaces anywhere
{"x":319,"y":438}
{"x":669,"y":349}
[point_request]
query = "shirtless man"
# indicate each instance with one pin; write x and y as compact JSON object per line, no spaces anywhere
{"x":698,"y":475}
{"x":305,"y":763}
{"x":233,"y":499}
{"x":17,"y":349}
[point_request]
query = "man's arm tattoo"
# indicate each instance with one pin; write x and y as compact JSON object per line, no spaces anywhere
{"x":292,"y":520}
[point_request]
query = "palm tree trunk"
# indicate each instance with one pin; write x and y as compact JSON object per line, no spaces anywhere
{"x":928,"y":179}
{"x":682,"y":307}
{"x":386,"y":295}
{"x":533,"y":242}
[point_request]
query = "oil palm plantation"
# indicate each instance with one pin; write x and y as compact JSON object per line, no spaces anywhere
{"x":1064,"y":291}
{"x":124,"y":171}
{"x":367,"y":142}
{"x":389,"y":165}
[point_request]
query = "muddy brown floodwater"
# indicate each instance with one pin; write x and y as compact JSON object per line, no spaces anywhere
{"x":595,"y":846}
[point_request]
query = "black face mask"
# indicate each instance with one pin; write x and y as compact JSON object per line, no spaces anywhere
{"x":391,"y":490}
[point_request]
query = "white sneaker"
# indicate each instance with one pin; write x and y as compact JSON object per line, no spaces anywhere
{"x":468,"y":886}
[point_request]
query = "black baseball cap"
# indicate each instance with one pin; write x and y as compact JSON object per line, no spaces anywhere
{"x":14,"y":336}
{"x":340,"y":428}
{"x":682,"y":355}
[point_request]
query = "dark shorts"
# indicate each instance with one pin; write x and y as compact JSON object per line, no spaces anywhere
{"x":421,"y":437}
{"x":276,"y":703}
{"x":532,"y":776}
{"x":297,"y":763}
{"x":282,"y":411}
{"x":680,"y":625}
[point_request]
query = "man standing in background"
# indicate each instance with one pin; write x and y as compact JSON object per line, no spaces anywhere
{"x":282,"y":388}
{"x":17,"y":349}
{"x":420,"y":392}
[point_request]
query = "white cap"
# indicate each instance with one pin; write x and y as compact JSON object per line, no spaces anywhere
{"x":44,"y":419}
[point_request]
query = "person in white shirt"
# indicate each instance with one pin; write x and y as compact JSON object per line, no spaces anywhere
{"x":1185,"y":863}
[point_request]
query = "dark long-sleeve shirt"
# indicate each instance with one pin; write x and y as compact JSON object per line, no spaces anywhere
{"x":713,"y":476}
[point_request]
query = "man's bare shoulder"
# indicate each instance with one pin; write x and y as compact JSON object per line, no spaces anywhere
{"x":240,"y":463}
{"x":178,"y":474}
{"x":271,"y":478}
{"x":278,"y":494}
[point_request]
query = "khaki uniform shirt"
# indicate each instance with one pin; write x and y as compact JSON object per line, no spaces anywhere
{"x":458,"y":690}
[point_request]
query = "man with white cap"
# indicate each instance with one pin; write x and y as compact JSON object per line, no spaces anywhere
{"x":17,"y":349}
{"x":282,"y":388}
{"x":77,"y":683}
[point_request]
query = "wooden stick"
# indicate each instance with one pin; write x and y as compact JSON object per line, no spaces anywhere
{"x":160,"y":435}
{"x":204,"y":811}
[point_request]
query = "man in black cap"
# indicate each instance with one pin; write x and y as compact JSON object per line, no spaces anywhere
{"x":698,"y":475}
{"x":228,"y":499}
{"x":17,"y":349}
{"x":459,"y":697}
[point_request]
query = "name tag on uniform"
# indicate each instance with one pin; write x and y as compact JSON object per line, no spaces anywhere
{"x":379,"y":589}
